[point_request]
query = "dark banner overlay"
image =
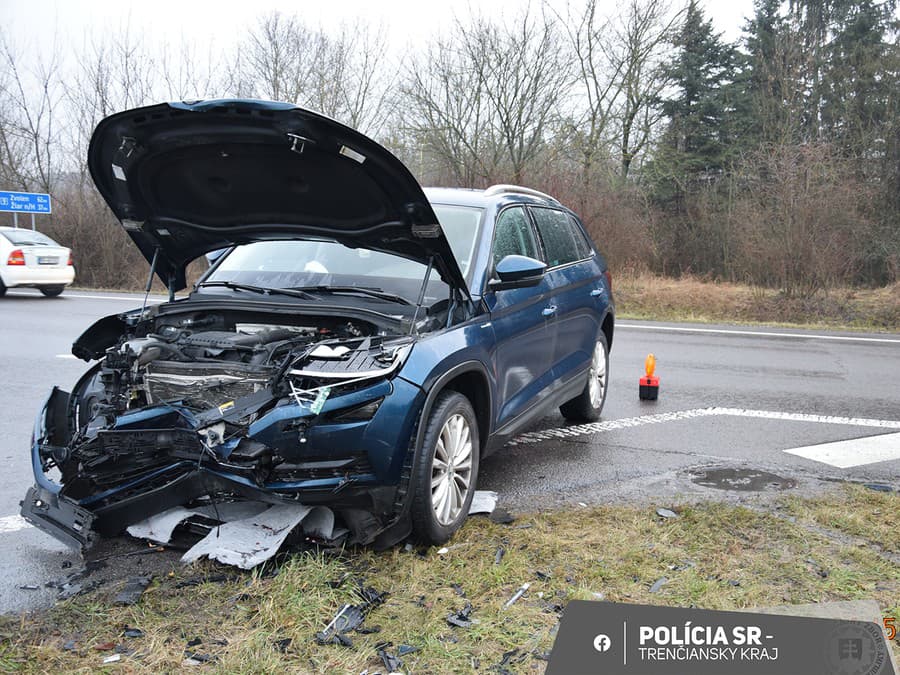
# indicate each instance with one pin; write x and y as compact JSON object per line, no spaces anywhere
{"x":605,"y":637}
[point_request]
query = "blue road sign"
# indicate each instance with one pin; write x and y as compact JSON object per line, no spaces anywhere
{"x":24,"y":202}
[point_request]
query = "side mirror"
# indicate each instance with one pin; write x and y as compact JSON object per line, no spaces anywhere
{"x":517,"y":271}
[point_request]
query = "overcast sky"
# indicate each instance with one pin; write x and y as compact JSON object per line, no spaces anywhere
{"x":33,"y":23}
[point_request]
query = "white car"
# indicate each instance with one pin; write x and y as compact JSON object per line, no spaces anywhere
{"x":29,"y":258}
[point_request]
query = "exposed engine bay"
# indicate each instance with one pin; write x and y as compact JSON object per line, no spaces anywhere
{"x":204,"y":407}
{"x":206,"y":360}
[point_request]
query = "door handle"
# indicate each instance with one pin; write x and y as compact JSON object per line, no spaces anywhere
{"x":596,"y":293}
{"x":549,"y":311}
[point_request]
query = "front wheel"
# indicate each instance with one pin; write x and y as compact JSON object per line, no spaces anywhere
{"x":446,"y":476}
{"x":51,"y":291}
{"x":587,"y":406}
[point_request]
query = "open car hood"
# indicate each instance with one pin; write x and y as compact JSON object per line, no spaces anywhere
{"x":187,"y":178}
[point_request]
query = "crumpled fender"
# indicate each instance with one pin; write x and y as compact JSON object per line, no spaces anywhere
{"x":45,"y":427}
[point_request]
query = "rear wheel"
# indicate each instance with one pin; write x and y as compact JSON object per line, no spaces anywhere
{"x":587,"y":406}
{"x":2,"y":288}
{"x":51,"y":291}
{"x":445,"y":478}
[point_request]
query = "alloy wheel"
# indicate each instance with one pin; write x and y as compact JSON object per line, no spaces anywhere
{"x":597,"y":381}
{"x":451,"y":470}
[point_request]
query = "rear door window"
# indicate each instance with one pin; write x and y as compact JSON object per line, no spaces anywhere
{"x":563,"y":239}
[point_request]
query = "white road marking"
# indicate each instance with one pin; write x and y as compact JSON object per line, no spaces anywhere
{"x":612,"y":425}
{"x":856,"y":451}
{"x":804,"y":417}
{"x":66,"y":356}
{"x":13,"y":524}
{"x":758,"y":333}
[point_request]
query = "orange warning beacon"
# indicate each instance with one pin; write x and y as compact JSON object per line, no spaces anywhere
{"x":649,"y":384}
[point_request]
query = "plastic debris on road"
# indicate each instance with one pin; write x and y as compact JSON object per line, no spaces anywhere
{"x":483,"y":501}
{"x":659,"y":583}
{"x":134,"y":589}
{"x":350,"y":618}
{"x":518,"y":594}
{"x":462,"y":618}
{"x":391,"y":663}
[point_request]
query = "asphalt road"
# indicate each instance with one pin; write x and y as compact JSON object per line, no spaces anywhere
{"x":730,"y":397}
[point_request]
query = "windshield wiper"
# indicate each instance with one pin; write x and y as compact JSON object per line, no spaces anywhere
{"x":359,"y":290}
{"x":262,"y":290}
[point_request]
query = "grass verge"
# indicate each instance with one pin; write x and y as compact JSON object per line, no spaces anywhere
{"x":648,"y":297}
{"x":714,"y":556}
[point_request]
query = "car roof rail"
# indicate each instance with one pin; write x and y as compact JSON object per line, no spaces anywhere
{"x":518,"y":189}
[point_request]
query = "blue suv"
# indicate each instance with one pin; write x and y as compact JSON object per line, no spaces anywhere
{"x":361,"y":344}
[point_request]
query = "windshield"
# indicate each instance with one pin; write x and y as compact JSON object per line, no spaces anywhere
{"x":28,"y":238}
{"x":311,"y":263}
{"x":319,"y":262}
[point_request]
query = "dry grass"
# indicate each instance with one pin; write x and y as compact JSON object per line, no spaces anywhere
{"x":644,"y":296}
{"x":875,"y":516}
{"x":714,"y":555}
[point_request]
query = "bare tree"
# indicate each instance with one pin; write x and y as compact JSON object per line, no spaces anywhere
{"x":113,"y":72}
{"x":642,"y":34}
{"x":447,"y":111}
{"x":188,"y":71}
{"x":14,"y":168}
{"x":343,"y":75}
{"x":486,"y":98}
{"x":30,"y":117}
{"x":597,"y":72}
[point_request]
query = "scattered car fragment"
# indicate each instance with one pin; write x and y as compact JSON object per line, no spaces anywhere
{"x":522,"y":590}
{"x":133,"y":590}
{"x":391,"y":663}
{"x":357,"y":348}
{"x":246,"y":533}
{"x":483,"y":501}
{"x":462,"y":618}
{"x":350,"y":618}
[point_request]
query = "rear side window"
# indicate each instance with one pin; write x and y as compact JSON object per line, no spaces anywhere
{"x":23,"y":237}
{"x":513,"y":235}
{"x":564,"y":242}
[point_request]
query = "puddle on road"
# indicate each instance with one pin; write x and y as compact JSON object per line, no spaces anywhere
{"x":745,"y":480}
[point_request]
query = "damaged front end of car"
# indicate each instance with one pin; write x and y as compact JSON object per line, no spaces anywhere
{"x":279,"y":382}
{"x":205,"y":408}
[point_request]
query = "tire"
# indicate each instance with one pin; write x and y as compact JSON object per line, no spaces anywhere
{"x":437,"y":514}
{"x":51,"y":291}
{"x":2,"y":288}
{"x":587,"y":406}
